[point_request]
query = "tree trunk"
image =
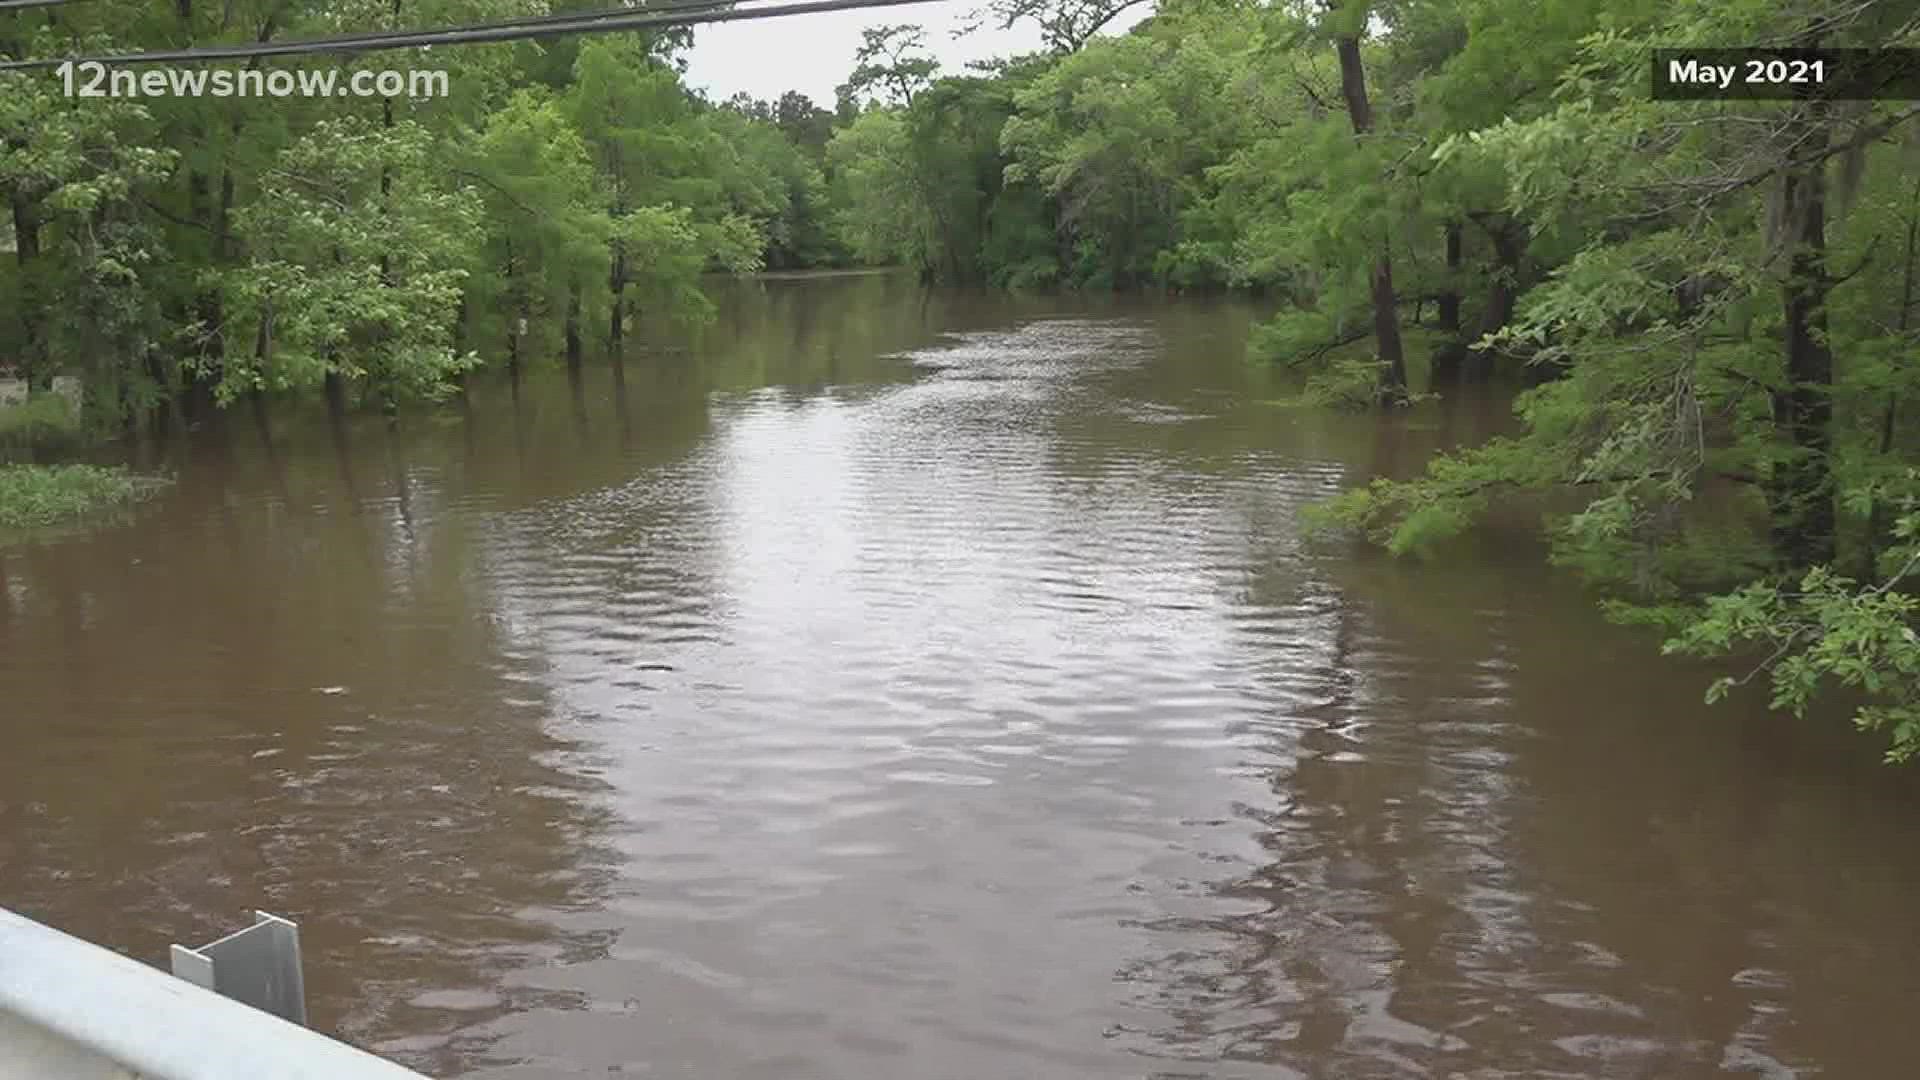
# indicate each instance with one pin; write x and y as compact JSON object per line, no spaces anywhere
{"x":161,"y":420}
{"x":262,"y":353}
{"x":1509,"y":247}
{"x":209,"y":352}
{"x":617,"y":284}
{"x":1452,"y":350}
{"x":458,"y":332}
{"x":209,"y":358}
{"x":1879,"y":519}
{"x":513,"y":323}
{"x":33,"y":320}
{"x":1386,"y":332}
{"x":522,"y":323}
{"x":620,"y":407}
{"x":335,"y":386}
{"x":389,"y":403}
{"x":573,"y":325}
{"x":1386,"y":316}
{"x":1800,"y":488}
{"x":386,"y":171}
{"x":1353,"y":83}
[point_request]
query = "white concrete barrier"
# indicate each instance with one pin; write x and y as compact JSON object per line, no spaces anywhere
{"x":71,"y":1010}
{"x":14,"y":391}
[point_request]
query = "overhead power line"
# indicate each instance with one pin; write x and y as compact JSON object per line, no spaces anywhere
{"x":671,"y":13}
{"x":625,"y":10}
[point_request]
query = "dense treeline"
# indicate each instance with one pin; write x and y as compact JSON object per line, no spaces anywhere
{"x":1711,"y":305}
{"x":180,"y":253}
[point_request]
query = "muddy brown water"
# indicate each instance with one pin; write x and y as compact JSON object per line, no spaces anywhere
{"x":893,"y":685}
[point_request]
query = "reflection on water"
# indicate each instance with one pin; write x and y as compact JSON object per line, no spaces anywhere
{"x":888,"y":683}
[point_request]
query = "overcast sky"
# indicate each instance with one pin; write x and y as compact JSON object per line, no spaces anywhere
{"x":814,"y":53}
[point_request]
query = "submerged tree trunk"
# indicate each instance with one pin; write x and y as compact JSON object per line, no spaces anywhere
{"x":204,"y":373}
{"x":458,"y":334}
{"x":1880,"y":519}
{"x":513,"y":324}
{"x":1386,"y":316}
{"x":209,"y":354}
{"x":262,"y":356}
{"x":1452,"y":350}
{"x":33,"y":319}
{"x":617,"y":264}
{"x":386,"y":170}
{"x":210,"y":310}
{"x":617,"y":284}
{"x":389,"y":399}
{"x":161,"y":419}
{"x":523,"y":320}
{"x":573,"y":325}
{"x":1386,"y":332}
{"x":335,"y":387}
{"x":1503,"y":291}
{"x":1800,"y":489}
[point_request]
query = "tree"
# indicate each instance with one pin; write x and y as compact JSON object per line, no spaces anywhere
{"x":1115,"y":135}
{"x":640,"y":126}
{"x":773,"y":187}
{"x":1708,"y":341}
{"x":1348,"y":20}
{"x":806,"y":125}
{"x":881,"y":216}
{"x":72,"y":172}
{"x":1065,"y":25}
{"x":547,"y":223}
{"x":891,"y":64}
{"x":349,"y":282}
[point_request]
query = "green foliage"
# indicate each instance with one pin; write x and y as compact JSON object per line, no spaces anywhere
{"x":891,"y":64}
{"x":1064,"y":27}
{"x":546,"y":221}
{"x":33,"y":496}
{"x":1301,"y":339}
{"x":881,"y":217}
{"x":1348,"y":383}
{"x":1825,"y":629}
{"x":347,"y":279}
{"x":1721,"y":352}
{"x":1119,"y":136}
{"x":1414,"y":517}
{"x":774,"y":191}
{"x":72,"y":170}
{"x":675,"y":172}
{"x":670,"y":249}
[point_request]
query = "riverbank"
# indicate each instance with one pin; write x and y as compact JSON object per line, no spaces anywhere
{"x":33,"y":496}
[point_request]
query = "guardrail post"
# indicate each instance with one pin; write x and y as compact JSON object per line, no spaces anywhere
{"x":257,"y":966}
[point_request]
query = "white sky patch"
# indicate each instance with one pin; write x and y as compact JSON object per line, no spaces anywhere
{"x":814,"y":53}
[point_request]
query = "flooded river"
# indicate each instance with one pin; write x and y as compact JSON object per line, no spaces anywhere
{"x":898,"y":685}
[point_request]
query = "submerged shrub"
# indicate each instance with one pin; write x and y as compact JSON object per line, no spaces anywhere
{"x":38,"y":495}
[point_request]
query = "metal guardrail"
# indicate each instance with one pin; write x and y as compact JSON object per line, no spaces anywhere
{"x":257,"y":966}
{"x":70,"y":1009}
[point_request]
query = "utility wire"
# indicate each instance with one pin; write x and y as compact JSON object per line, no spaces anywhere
{"x":670,"y":13}
{"x":641,"y":7}
{"x":625,"y":10}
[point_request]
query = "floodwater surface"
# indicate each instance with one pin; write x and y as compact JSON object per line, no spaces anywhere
{"x":891,"y":684}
